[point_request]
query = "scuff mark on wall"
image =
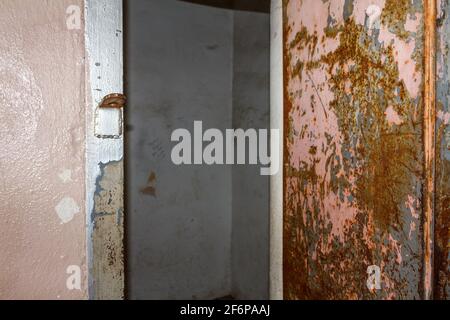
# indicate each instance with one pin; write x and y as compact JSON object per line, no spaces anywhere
{"x":66,"y":209}
{"x":65,"y":176}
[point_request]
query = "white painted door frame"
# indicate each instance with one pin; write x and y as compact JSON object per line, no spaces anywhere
{"x":104,"y":150}
{"x":276,"y":122}
{"x":104,"y":154}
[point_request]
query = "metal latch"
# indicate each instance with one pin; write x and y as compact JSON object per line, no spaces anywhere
{"x":109,"y":116}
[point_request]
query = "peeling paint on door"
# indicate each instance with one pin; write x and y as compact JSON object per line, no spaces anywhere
{"x":108,"y":234}
{"x":354,"y":170}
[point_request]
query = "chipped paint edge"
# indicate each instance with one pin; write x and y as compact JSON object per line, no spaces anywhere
{"x":104,"y":50}
{"x":429,"y":128}
{"x":276,"y":122}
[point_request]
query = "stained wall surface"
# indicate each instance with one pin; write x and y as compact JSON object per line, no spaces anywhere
{"x":353,"y":148}
{"x":195,"y":231}
{"x":250,"y":223}
{"x":42,"y":230}
{"x":179,"y":69}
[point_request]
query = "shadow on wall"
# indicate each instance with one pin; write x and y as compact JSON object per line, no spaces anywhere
{"x":244,"y":5}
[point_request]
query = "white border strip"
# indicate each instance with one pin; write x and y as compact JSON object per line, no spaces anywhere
{"x":104,"y":50}
{"x":276,"y":122}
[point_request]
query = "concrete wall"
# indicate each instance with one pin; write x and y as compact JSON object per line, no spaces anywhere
{"x":250,"y":227}
{"x":42,"y":150}
{"x":179,"y":65}
{"x":195,"y":231}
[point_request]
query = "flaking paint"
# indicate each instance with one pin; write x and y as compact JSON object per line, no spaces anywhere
{"x":104,"y":172}
{"x":353,"y":174}
{"x":108,"y":233}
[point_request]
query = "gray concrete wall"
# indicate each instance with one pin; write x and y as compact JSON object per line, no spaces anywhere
{"x":250,"y":226}
{"x":194,"y":232}
{"x":179,"y":69}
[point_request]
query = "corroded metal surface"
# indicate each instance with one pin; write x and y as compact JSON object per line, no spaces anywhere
{"x":354,"y":163}
{"x":442,"y":208}
{"x":429,"y":129}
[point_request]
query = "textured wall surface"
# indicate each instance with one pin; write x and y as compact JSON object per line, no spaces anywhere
{"x":179,"y":218}
{"x":42,"y":150}
{"x":250,"y":227}
{"x":353,"y":148}
{"x":195,"y":231}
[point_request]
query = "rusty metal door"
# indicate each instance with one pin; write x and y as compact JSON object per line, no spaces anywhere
{"x":364,"y":183}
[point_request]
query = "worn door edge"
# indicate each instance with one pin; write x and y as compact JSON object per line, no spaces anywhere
{"x":429,"y":127}
{"x":276,"y":122}
{"x":104,"y":157}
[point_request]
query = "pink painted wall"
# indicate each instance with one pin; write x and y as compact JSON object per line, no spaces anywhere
{"x":42,"y":72}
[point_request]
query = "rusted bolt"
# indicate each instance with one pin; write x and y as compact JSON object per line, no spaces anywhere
{"x":113,"y":100}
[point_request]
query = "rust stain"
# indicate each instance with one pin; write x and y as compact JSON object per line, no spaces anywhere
{"x":150,"y":189}
{"x":394,"y":16}
{"x":352,"y":178}
{"x":386,"y":156}
{"x":441,"y":270}
{"x":429,"y":126}
{"x":151,"y":177}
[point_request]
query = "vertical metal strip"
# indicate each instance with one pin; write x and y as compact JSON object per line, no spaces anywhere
{"x":429,"y":125}
{"x":104,"y":156}
{"x":276,"y":122}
